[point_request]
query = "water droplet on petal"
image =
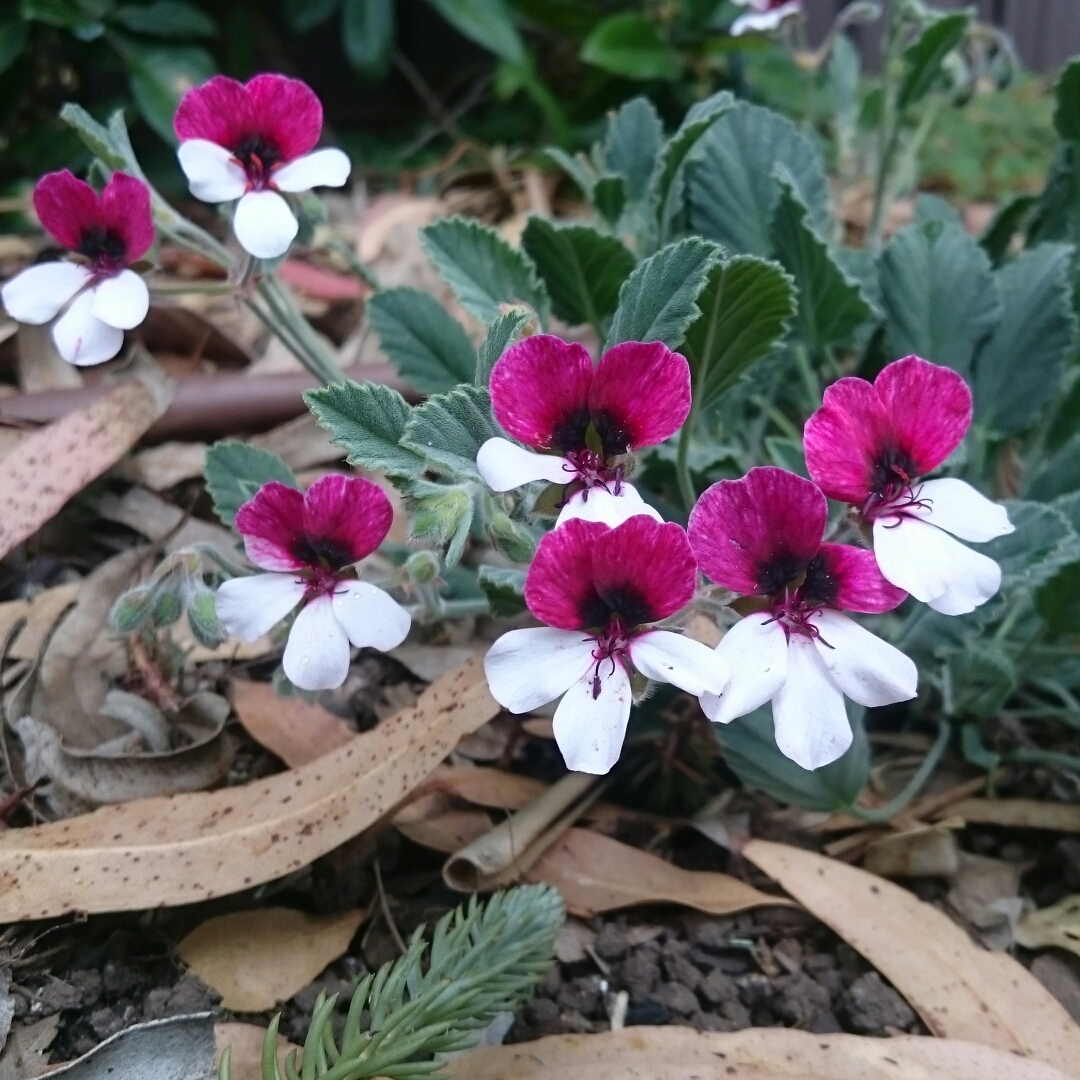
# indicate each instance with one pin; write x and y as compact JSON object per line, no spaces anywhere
{"x":305,"y":660}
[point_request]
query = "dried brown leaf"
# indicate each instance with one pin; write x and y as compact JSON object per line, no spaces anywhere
{"x":26,"y":1054}
{"x":1058,"y":926}
{"x":959,"y":989}
{"x":40,"y":613}
{"x":296,"y":730}
{"x":159,"y":852}
{"x":259,"y":958}
{"x":245,"y":1042}
{"x":677,"y":1053}
{"x":1018,"y":813}
{"x":595,"y":873}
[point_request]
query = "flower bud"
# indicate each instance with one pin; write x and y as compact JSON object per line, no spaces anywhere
{"x":512,"y":538}
{"x":166,"y":607}
{"x":132,"y":609}
{"x":422,"y":567}
{"x":202,"y":617}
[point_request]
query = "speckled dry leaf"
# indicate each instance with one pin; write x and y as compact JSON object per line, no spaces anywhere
{"x":245,"y":1042}
{"x":595,"y":873}
{"x":297,"y":731}
{"x":45,"y":470}
{"x":26,"y":1052}
{"x":1052,"y":926}
{"x":161,"y":467}
{"x":677,"y":1053}
{"x":257,"y":959}
{"x":1018,"y":813}
{"x":159,"y":852}
{"x":40,"y":614}
{"x":959,"y":989}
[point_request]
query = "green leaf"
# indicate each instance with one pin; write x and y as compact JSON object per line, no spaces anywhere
{"x":1067,"y":96}
{"x":630,"y":44}
{"x":576,"y":166}
{"x":489,"y":23}
{"x":502,"y":333}
{"x":166,"y":19}
{"x":14,"y":34}
{"x":609,"y":198}
{"x":97,"y":138}
{"x":505,"y":590}
{"x":442,"y":515}
{"x":449,"y":429}
{"x":582,"y":268}
{"x":83,"y":20}
{"x":368,"y":31}
{"x":234,"y":473}
{"x":940,"y":296}
{"x":304,"y":15}
{"x":1056,"y":215}
{"x":657,"y":302}
{"x":745,"y":309}
{"x":484,"y":271}
{"x":1043,"y":542}
{"x":632,"y":145}
{"x":924,"y":57}
{"x":1019,"y":370}
{"x":160,"y":75}
{"x":731,"y":190}
{"x":978,"y":679}
{"x":422,"y":340}
{"x":368,"y":420}
{"x":750,"y":751}
{"x":930,"y":207}
{"x":1007,"y":222}
{"x":1061,"y":473}
{"x":831,"y":304}
{"x":1058,"y":601}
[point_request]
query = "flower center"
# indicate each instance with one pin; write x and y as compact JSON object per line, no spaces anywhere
{"x":105,"y":249}
{"x":892,"y":490}
{"x":802,"y":597}
{"x":258,"y":158}
{"x":590,"y":470}
{"x":612,"y":647}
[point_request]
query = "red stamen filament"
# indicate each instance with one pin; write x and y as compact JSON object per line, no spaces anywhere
{"x":612,"y":645}
{"x":793,"y":612}
{"x":898,"y":494}
{"x":591,"y":470}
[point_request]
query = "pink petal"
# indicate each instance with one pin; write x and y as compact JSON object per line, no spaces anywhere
{"x":757,"y":534}
{"x":346,"y":518}
{"x":640,"y":395}
{"x":848,"y":578}
{"x":218,"y":111}
{"x":65,"y":206}
{"x":559,"y":588}
{"x":844,"y":438}
{"x":272,"y":525}
{"x":124,"y":208}
{"x":288,"y":112}
{"x":540,"y":393}
{"x":644,"y":570}
{"x":929,"y":407}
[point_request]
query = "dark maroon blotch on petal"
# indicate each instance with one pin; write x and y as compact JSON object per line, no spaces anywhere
{"x":848,"y":578}
{"x":345,"y":519}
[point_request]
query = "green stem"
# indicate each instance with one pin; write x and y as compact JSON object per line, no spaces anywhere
{"x":212,"y":287}
{"x":914,"y":785}
{"x":311,"y":351}
{"x":682,"y":463}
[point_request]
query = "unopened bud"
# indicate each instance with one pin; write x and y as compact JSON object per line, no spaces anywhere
{"x":202,"y":616}
{"x":422,"y":567}
{"x":132,"y":609}
{"x":166,"y":607}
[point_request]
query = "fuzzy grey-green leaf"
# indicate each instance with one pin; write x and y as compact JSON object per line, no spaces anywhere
{"x":448,"y":430}
{"x":234,"y":473}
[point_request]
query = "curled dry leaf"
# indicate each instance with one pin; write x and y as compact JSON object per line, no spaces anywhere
{"x":46,"y":469}
{"x":162,"y":467}
{"x":986,"y":892}
{"x":256,"y":959}
{"x":1018,"y":813}
{"x":959,"y":989}
{"x":922,"y":852}
{"x":677,"y":1053}
{"x":297,"y":731}
{"x":160,"y":852}
{"x":40,"y":614}
{"x":595,"y":873}
{"x":1058,"y":926}
{"x":433,"y":822}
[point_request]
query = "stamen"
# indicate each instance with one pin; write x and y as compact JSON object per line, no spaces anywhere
{"x":612,"y":645}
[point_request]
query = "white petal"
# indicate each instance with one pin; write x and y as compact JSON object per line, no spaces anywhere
{"x":928,"y":563}
{"x":528,"y":668}
{"x":317,"y":654}
{"x":249,"y":607}
{"x":324,"y":168}
{"x":981,"y":582}
{"x":82,"y":338}
{"x":590,"y":730}
{"x":756,"y":652}
{"x":681,"y":661}
{"x":504,"y":465}
{"x":37,"y":294}
{"x":264,"y":224}
{"x":958,"y":508}
{"x":213,"y":174}
{"x":601,"y":505}
{"x":867,"y":669}
{"x":809,"y":718}
{"x":122,"y":300}
{"x":766,"y":20}
{"x":371,"y":618}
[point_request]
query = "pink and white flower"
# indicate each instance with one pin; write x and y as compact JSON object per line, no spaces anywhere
{"x":761,"y":536}
{"x":869,"y":444}
{"x":309,"y":543}
{"x":110,"y":231}
{"x":764,"y":15}
{"x":584,"y":420}
{"x":252,"y":142}
{"x":599,"y":590}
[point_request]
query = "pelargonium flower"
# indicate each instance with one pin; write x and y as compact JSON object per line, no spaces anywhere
{"x":764,"y":15}
{"x":110,"y":231}
{"x":583,"y":419}
{"x":761,"y":536}
{"x":309,"y":543}
{"x":869,"y":444}
{"x":599,"y":590}
{"x":251,"y":142}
